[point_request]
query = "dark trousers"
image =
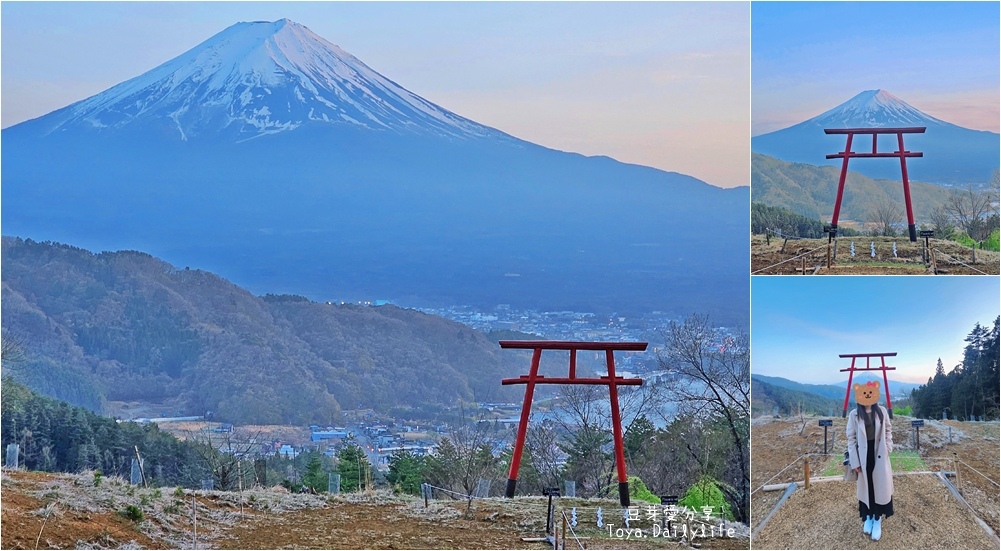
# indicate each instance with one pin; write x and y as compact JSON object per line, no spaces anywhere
{"x":872,"y":508}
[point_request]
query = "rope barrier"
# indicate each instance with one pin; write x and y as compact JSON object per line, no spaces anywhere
{"x":783,"y":236}
{"x":789,"y":465}
{"x":789,"y":259}
{"x":989,"y":479}
{"x":573,"y":533}
{"x":958,"y":261}
{"x":464,"y":496}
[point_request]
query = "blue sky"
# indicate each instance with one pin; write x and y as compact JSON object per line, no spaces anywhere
{"x":658,"y":84}
{"x":941,"y":57}
{"x":799,"y":326}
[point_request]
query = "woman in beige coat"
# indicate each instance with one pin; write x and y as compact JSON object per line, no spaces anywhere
{"x":870,"y":442}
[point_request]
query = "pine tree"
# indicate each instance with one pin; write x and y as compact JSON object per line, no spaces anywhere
{"x":352,"y":465}
{"x":315,"y":477}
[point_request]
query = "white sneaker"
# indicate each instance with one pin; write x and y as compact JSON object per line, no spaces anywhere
{"x":877,"y":529}
{"x":867,"y":525}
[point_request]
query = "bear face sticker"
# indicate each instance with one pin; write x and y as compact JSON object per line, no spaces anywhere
{"x":867,"y":394}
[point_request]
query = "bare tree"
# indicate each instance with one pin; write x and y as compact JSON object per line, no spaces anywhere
{"x":714,"y":383}
{"x":542,"y":445}
{"x":885,"y":216}
{"x":942,"y":221}
{"x":584,"y":418}
{"x":588,"y":429}
{"x":972,"y":210}
{"x":225,"y":456}
{"x":11,"y":347}
{"x":463,"y":458}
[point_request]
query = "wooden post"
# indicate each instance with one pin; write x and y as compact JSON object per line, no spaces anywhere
{"x":239,"y":473}
{"x":828,"y":255}
{"x":141,"y":472}
{"x":564,"y":536}
{"x":194,"y":523}
{"x":804,"y":265}
{"x":955,"y":467}
{"x":806,"y":472}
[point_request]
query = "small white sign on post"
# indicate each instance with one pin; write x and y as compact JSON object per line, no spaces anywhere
{"x":135,"y":475}
{"x":13,"y":451}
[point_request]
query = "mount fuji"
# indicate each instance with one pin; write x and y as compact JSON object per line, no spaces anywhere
{"x":274,"y":158}
{"x":953,"y":155}
{"x":255,"y":79}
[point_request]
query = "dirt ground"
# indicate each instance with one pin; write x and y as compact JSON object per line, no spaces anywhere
{"x":767,"y":258}
{"x":826,"y":517}
{"x":70,"y":511}
{"x":25,"y":519}
{"x":973,"y":452}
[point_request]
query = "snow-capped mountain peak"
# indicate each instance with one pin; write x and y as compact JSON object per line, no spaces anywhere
{"x":259,"y":78}
{"x":874,"y":108}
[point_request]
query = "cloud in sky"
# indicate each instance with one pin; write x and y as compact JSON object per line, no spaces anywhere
{"x":800,"y":325}
{"x":657,"y":84}
{"x":941,"y":57}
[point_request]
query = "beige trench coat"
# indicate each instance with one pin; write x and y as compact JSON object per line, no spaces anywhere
{"x":858,"y":446}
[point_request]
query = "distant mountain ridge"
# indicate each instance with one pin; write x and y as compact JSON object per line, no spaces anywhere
{"x":837,"y":391}
{"x":127,"y":326}
{"x":270,"y":156}
{"x":780,"y":399}
{"x":953,"y":155}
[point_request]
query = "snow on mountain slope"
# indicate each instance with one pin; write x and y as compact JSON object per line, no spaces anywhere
{"x":874,"y":108}
{"x":260,"y":78}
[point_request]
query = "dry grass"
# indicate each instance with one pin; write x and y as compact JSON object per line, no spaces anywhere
{"x":79,"y":514}
{"x":765,"y":258}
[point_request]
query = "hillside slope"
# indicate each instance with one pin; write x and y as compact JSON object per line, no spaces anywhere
{"x":810,"y":191}
{"x":127,"y":326}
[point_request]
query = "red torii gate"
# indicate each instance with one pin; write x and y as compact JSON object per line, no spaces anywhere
{"x":900,"y":152}
{"x":882,"y":367}
{"x":611,"y":381}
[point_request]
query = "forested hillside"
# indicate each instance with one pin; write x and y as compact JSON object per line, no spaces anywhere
{"x":127,"y":326}
{"x":786,"y":222}
{"x":54,"y":436}
{"x":810,"y":191}
{"x":767,"y":397}
{"x":971,"y":388}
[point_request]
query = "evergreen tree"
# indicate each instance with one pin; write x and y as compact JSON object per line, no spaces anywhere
{"x":316,"y":476}
{"x":407,"y":471}
{"x":353,"y":467}
{"x":971,"y":389}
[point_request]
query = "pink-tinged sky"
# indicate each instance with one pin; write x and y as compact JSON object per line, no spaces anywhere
{"x":943,"y":58}
{"x":658,"y":84}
